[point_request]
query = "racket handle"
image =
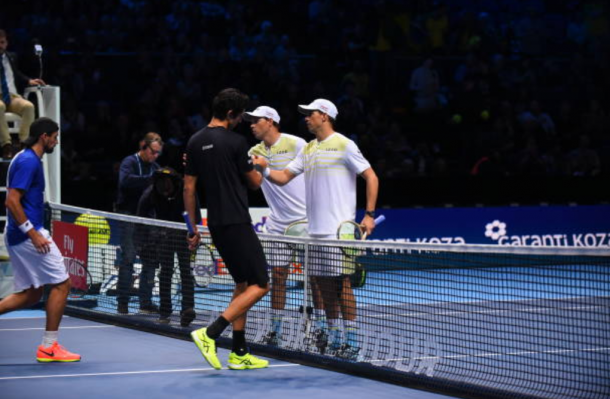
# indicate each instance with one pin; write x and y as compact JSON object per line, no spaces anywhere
{"x":379,"y":219}
{"x":189,"y":225}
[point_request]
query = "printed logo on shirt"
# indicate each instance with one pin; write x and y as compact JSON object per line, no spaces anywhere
{"x":207,"y":147}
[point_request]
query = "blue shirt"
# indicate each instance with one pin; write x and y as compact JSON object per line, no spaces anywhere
{"x":25,"y":173}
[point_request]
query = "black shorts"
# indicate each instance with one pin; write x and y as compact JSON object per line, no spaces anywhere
{"x":241,"y":252}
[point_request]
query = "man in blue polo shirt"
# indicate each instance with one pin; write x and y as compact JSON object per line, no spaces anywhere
{"x":35,"y":258}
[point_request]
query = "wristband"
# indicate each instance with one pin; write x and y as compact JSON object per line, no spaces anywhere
{"x":26,"y":226}
{"x":266,"y":172}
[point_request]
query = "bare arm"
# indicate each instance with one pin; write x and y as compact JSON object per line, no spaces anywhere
{"x":13,"y":204}
{"x":372,"y":190}
{"x":190,"y":203}
{"x":254,"y":179}
{"x":279,"y":177}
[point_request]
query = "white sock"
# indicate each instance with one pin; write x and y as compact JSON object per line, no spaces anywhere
{"x":49,"y":337}
{"x":350,"y":324}
{"x":333,"y":323}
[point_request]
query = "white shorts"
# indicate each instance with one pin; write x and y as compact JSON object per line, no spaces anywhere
{"x":281,"y":254}
{"x":33,"y":269}
{"x":326,"y":261}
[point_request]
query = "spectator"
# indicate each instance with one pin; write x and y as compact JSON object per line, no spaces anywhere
{"x":583,"y":161}
{"x":425,"y":86}
{"x":11,"y":81}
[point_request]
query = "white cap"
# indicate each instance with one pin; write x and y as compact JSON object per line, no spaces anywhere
{"x":262,"y":112}
{"x":321,"y":105}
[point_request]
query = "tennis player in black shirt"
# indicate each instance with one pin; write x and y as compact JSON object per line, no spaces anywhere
{"x":218,"y":163}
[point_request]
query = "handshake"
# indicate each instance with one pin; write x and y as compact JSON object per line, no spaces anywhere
{"x":260,"y":164}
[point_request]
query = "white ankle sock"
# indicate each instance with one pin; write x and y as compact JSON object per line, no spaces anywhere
{"x":49,"y":337}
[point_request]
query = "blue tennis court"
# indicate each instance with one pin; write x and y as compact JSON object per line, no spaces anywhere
{"x":125,"y":363}
{"x":465,"y":320}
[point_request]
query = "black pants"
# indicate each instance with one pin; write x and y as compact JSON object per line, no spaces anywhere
{"x":147,"y":276}
{"x":161,"y":252}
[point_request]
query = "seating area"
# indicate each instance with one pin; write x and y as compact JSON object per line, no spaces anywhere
{"x":429,"y":90}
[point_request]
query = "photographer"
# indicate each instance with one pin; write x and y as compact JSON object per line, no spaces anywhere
{"x":163,"y":200}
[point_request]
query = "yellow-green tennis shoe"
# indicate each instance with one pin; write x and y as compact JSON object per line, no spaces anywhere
{"x":207,"y":346}
{"x":246,"y":362}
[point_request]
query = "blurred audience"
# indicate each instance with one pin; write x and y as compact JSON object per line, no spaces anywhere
{"x":514,"y":89}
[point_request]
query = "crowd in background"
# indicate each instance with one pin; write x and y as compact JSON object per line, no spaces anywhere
{"x":426,"y":88}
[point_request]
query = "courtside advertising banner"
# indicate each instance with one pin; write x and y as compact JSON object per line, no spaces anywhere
{"x":73,"y":242}
{"x":542,"y":226}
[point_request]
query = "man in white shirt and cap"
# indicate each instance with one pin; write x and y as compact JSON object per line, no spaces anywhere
{"x":331,"y":162}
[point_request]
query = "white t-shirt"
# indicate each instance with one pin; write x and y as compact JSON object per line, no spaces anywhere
{"x":287,"y":203}
{"x":330,"y":167}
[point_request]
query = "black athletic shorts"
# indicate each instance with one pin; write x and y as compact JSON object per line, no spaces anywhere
{"x":241,"y":252}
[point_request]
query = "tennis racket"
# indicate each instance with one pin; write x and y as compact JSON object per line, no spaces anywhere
{"x":283,"y":254}
{"x":295,"y":229}
{"x":350,"y":230}
{"x":203,"y":259}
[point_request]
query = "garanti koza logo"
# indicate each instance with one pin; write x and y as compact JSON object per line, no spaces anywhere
{"x":495,"y":230}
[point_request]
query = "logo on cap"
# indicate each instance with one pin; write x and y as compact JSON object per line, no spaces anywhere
{"x":322,"y":105}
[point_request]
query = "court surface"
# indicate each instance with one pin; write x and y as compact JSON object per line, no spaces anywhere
{"x":125,"y":363}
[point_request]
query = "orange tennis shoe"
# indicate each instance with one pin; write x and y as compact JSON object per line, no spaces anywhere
{"x":55,"y":353}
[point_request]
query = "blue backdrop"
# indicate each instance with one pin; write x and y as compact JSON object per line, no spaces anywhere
{"x":538,"y":226}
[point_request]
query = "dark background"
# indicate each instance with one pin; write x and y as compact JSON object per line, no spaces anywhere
{"x":519,"y":115}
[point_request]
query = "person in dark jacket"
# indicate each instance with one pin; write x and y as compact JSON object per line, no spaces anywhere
{"x":163,"y":200}
{"x":135,"y":176}
{"x":12,"y":81}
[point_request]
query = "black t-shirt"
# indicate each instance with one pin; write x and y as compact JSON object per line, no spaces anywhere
{"x":219,"y":158}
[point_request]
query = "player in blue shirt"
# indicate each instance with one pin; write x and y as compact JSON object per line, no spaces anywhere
{"x":35,"y":258}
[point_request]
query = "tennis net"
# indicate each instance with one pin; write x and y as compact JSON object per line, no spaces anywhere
{"x":474,"y":321}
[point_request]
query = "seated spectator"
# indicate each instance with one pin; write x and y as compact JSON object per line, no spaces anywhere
{"x":10,"y":78}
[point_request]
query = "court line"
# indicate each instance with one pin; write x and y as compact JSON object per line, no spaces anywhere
{"x":63,"y":328}
{"x":27,"y":377}
{"x":24,"y":318}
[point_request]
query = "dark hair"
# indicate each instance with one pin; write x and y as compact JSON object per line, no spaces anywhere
{"x":166,"y":173}
{"x":229,"y":100}
{"x":39,"y":127}
{"x":3,"y":33}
